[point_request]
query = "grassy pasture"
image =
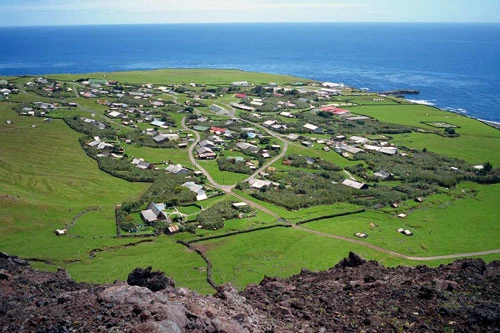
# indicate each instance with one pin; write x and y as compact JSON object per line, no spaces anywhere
{"x":183,"y":76}
{"x":443,"y":224}
{"x":477,"y":142}
{"x":247,"y":258}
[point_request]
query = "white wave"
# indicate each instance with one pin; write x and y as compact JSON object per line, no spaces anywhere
{"x":422,"y":101}
{"x":455,"y":110}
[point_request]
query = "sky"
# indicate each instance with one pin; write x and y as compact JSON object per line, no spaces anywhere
{"x":91,"y":12}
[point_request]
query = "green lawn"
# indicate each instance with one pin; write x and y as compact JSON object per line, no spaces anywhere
{"x":222,"y":177}
{"x":476,"y":144}
{"x":247,"y":258}
{"x":443,"y":224}
{"x":184,"y":76}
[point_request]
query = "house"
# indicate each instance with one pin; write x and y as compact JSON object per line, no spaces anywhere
{"x":240,"y":95}
{"x":153,"y":213}
{"x":218,"y":130}
{"x":115,"y":114}
{"x":144,"y":165}
{"x":278,"y":127}
{"x":158,"y":123}
{"x":177,"y":169}
{"x":217,"y":109}
{"x":268,"y":123}
{"x":157,"y":104}
{"x":240,"y":84}
{"x":238,"y":205}
{"x":382,"y":174}
{"x":257,"y":184}
{"x":313,"y":128}
{"x":307,"y":144}
{"x":286,"y":114}
{"x":355,"y":184}
{"x":402,"y":216}
{"x":348,"y":149}
{"x":248,"y":147}
{"x":292,"y":137}
{"x":358,"y":139}
{"x":361,"y":235}
{"x":197,"y":189}
{"x":242,"y":107}
{"x":162,"y":137}
{"x":205,"y":153}
{"x":207,"y":144}
{"x":388,"y":150}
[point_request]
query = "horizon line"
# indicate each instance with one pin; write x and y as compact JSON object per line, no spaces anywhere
{"x":263,"y":22}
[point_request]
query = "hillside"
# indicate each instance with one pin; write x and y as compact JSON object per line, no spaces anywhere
{"x":355,"y":295}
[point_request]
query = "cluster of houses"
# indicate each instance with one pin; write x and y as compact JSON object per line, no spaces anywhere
{"x":48,"y":87}
{"x":6,"y":89}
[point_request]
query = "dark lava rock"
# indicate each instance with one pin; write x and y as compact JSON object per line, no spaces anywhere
{"x":353,"y":296}
{"x":352,"y":261}
{"x":154,"y":281}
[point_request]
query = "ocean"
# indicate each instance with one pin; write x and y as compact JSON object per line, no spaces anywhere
{"x":455,"y":66}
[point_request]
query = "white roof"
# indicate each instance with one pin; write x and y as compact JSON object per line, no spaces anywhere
{"x":311,"y":127}
{"x":114,"y":114}
{"x":258,"y":183}
{"x":358,"y":139}
{"x":389,"y":150}
{"x":149,"y":215}
{"x":353,"y":183}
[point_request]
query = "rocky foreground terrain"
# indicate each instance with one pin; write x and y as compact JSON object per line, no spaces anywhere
{"x":353,"y":296}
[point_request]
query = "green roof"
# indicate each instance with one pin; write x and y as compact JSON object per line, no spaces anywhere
{"x":200,"y":128}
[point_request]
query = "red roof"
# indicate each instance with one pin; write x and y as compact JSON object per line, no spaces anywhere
{"x":218,"y":129}
{"x":334,"y":110}
{"x":240,"y":95}
{"x":327,"y":108}
{"x":340,"y":111}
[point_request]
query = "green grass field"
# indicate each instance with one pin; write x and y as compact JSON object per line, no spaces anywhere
{"x":46,"y":180}
{"x":477,"y":142}
{"x":184,"y":76}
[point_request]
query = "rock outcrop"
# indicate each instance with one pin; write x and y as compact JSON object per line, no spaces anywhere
{"x":355,"y":295}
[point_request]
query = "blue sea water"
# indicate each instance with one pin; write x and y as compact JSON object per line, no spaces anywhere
{"x":455,"y":66}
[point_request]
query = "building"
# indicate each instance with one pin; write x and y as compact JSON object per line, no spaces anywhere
{"x":153,"y":213}
{"x":247,"y":147}
{"x":240,"y":84}
{"x":382,"y":174}
{"x":177,"y":169}
{"x":355,"y":184}
{"x":205,"y":153}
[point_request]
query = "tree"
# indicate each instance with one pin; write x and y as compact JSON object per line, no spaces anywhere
{"x":487,"y":167}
